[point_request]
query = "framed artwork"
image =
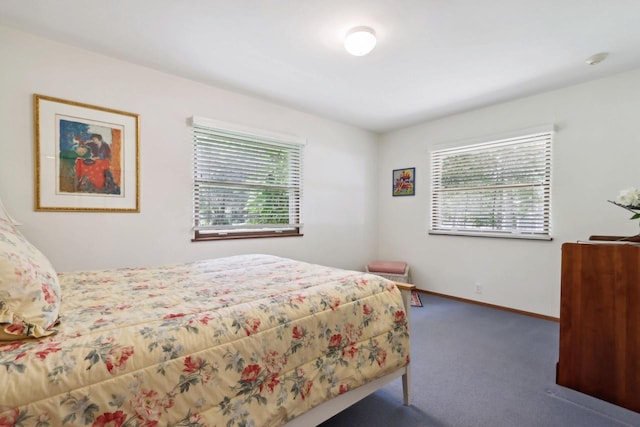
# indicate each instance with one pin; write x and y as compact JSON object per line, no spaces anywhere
{"x":86,"y":157}
{"x":404,"y":182}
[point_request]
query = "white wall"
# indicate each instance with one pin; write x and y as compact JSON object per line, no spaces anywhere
{"x":350,"y":216}
{"x":340,"y":195}
{"x":596,"y":154}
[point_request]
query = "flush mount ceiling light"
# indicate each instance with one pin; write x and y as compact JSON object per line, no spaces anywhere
{"x":597,"y":58}
{"x":360,"y":41}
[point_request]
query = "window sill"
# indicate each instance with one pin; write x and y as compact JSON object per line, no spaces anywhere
{"x":492,"y":235}
{"x":207,"y":237}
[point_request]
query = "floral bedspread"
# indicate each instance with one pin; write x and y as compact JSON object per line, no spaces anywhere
{"x":250,"y":340}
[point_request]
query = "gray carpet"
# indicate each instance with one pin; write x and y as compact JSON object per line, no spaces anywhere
{"x":475,"y":366}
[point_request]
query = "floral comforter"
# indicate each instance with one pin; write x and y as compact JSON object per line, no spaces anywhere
{"x":238,"y":341}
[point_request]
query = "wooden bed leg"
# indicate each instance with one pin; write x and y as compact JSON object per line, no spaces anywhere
{"x":406,"y":290}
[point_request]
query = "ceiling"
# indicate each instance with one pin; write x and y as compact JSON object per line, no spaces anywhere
{"x":433,"y":57}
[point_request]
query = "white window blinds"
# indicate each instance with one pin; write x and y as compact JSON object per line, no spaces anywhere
{"x":245,"y":183}
{"x":498,"y":188}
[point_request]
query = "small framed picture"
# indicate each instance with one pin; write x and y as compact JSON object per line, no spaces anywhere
{"x":404,"y":182}
{"x":86,"y":157}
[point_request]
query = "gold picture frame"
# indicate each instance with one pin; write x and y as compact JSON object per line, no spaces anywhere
{"x":87,"y":158}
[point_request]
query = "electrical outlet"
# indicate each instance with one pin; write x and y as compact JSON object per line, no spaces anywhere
{"x":478,"y":288}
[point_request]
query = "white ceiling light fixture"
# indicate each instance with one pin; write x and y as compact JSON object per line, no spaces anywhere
{"x":597,"y":58}
{"x":360,"y":41}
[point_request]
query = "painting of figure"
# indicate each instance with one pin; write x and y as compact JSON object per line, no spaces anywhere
{"x":90,"y":157}
{"x":86,"y":157}
{"x":404,"y":181}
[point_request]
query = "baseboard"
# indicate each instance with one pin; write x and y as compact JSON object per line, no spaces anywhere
{"x":497,"y":307}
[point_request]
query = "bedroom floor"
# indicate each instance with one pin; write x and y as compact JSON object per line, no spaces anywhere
{"x":477,"y":366}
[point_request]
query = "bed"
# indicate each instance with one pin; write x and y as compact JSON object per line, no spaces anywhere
{"x":237,"y":341}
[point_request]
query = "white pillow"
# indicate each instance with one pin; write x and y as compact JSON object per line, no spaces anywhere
{"x":4,"y":214}
{"x":29,"y":288}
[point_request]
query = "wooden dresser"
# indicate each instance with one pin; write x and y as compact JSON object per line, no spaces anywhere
{"x":600,"y":321}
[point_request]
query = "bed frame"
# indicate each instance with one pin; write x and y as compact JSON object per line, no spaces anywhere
{"x":323,"y":412}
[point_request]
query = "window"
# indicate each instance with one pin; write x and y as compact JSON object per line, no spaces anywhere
{"x":498,"y":188}
{"x":246,"y":183}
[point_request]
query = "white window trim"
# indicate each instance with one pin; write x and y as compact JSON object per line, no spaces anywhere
{"x":492,"y":139}
{"x":262,"y":136}
{"x":247,"y":130}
